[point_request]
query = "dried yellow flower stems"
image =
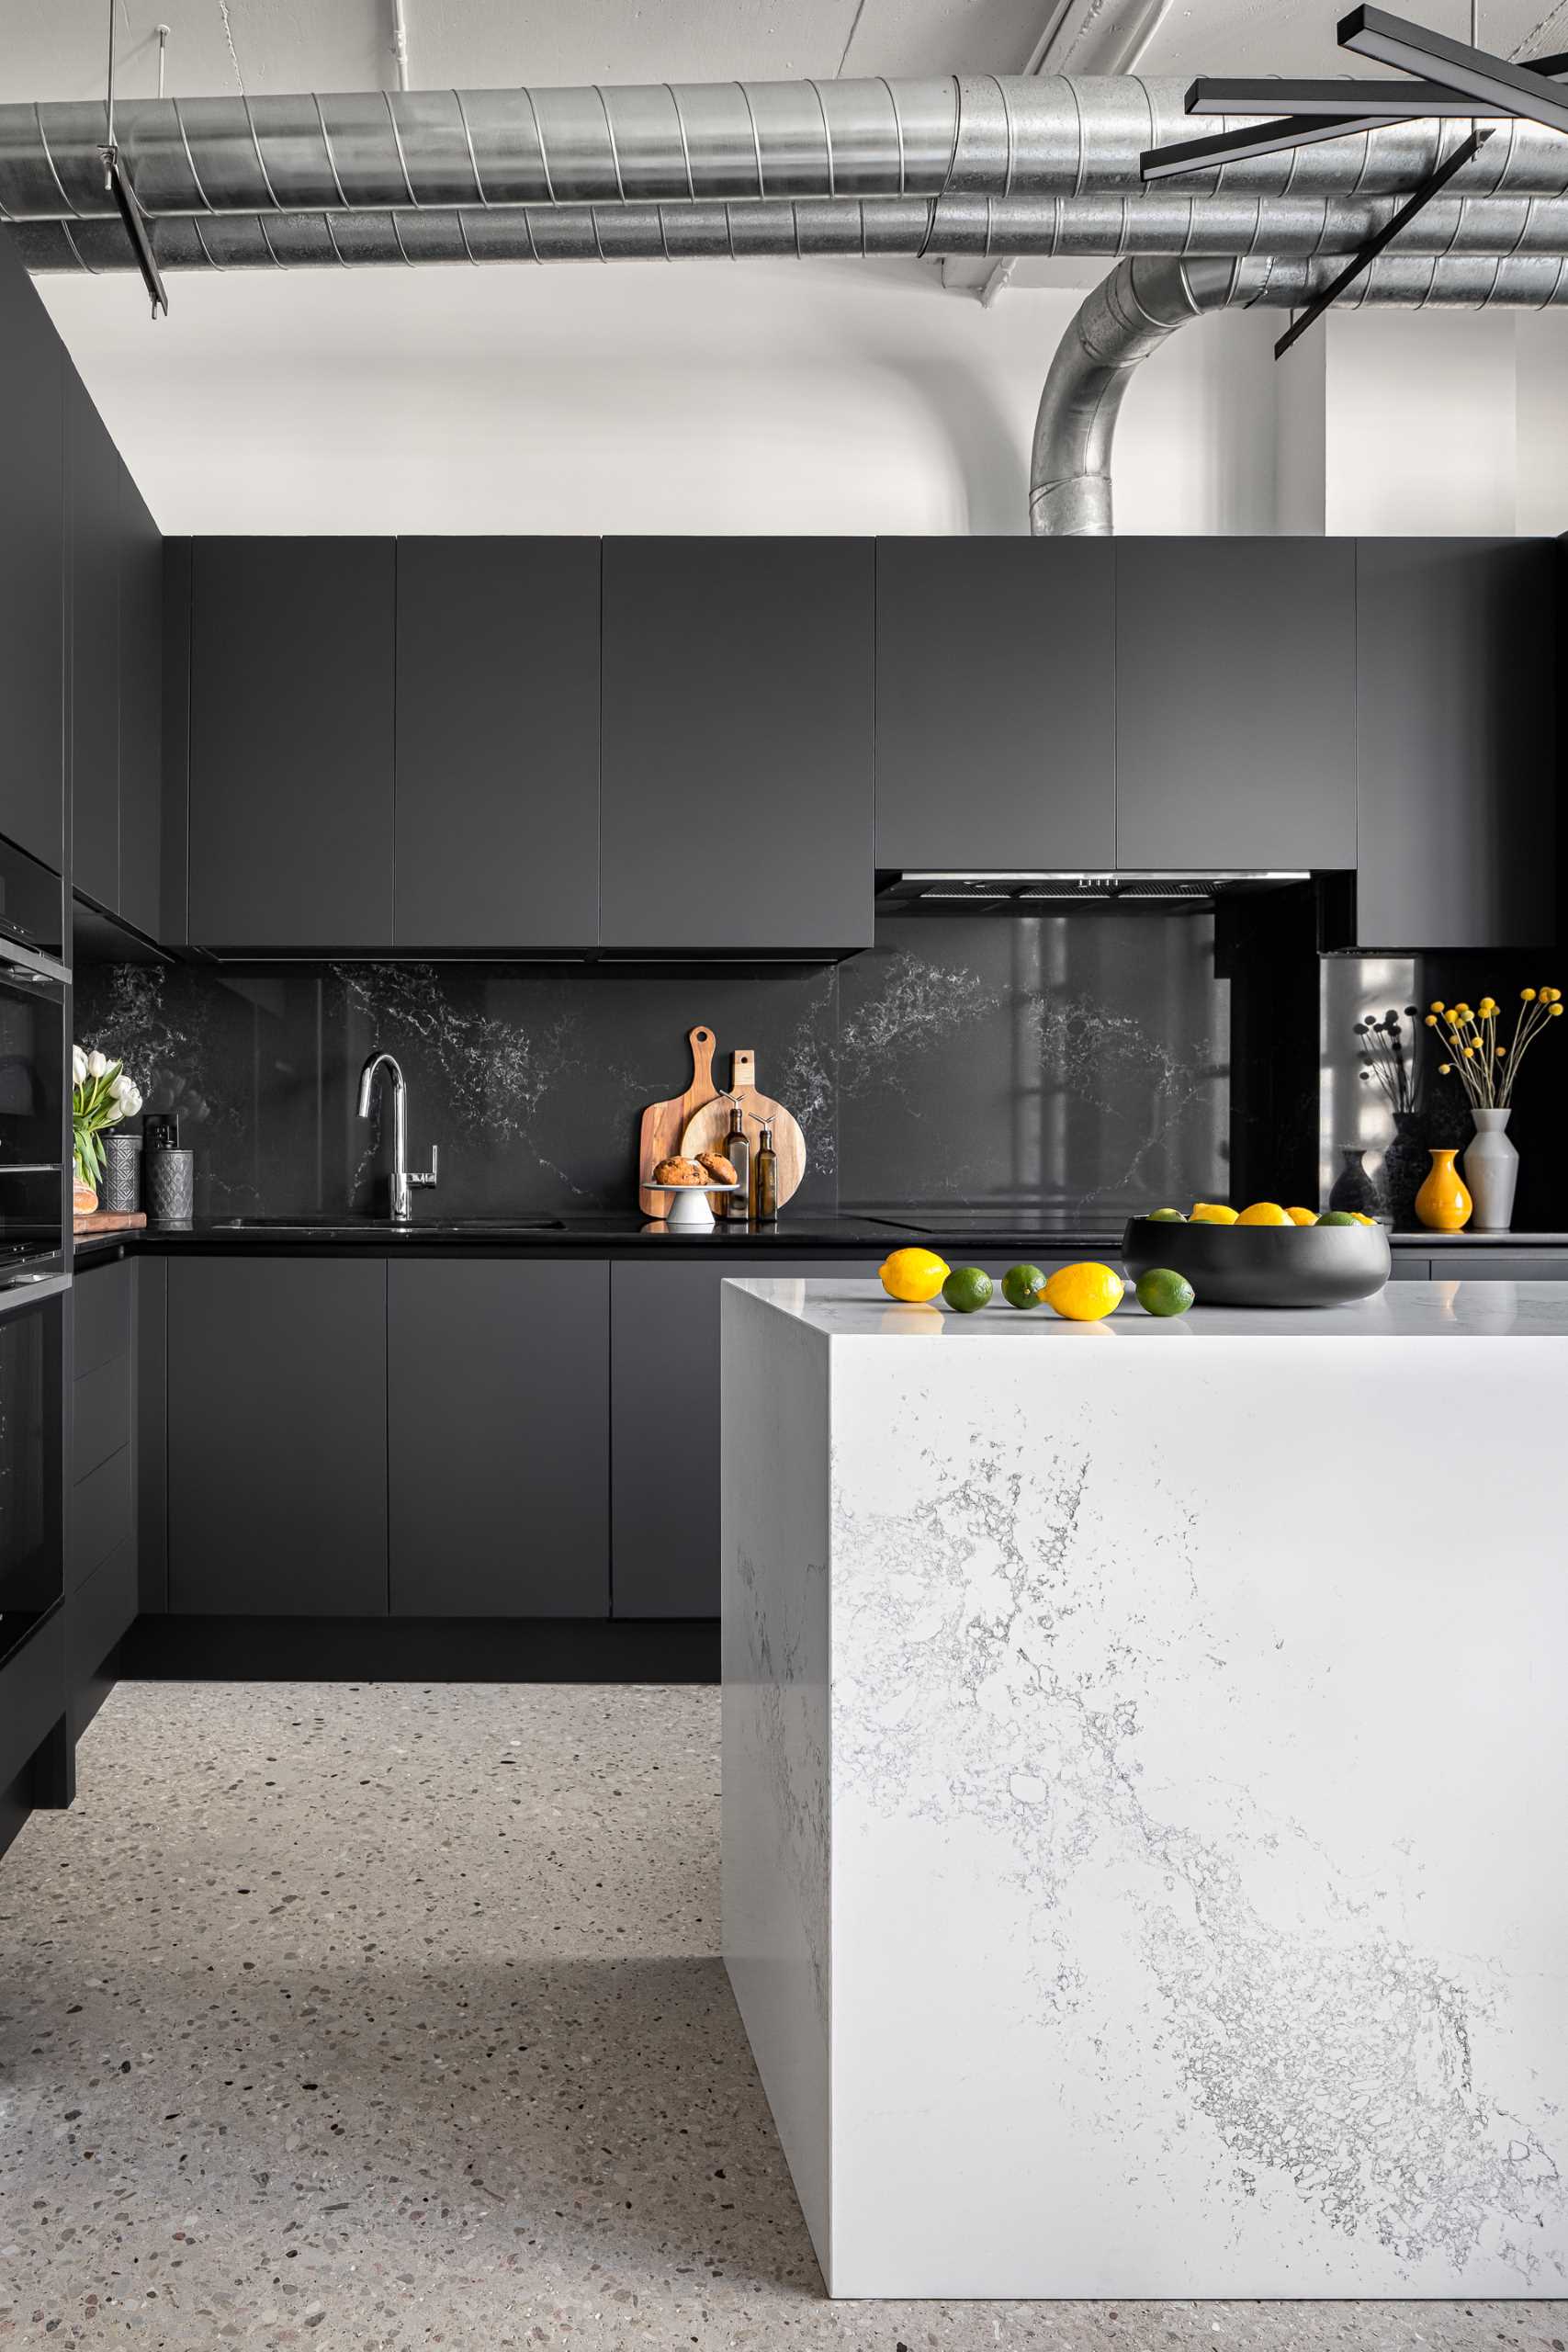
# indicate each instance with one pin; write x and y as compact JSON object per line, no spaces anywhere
{"x":1487,"y":1068}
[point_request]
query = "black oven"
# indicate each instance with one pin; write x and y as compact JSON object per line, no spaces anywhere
{"x":32,"y":1444}
{"x":34,"y":1068}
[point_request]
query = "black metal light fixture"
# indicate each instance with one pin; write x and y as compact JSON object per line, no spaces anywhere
{"x":116,"y":181}
{"x":1449,"y":78}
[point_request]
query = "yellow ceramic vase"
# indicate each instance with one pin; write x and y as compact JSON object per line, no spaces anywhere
{"x":1443,"y":1205}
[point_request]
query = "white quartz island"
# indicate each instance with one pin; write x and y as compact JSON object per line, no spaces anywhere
{"x":1145,"y":1790}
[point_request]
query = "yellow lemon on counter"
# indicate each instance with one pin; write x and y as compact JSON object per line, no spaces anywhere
{"x":913,"y":1275}
{"x":1301,"y":1216}
{"x":1263,"y":1213}
{"x":1212,"y":1213}
{"x":1082,"y":1294}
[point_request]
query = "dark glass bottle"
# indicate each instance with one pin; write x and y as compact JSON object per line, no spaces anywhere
{"x":737,"y":1149}
{"x":765,"y":1179}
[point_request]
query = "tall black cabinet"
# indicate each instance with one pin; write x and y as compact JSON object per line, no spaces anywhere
{"x":32,"y":568}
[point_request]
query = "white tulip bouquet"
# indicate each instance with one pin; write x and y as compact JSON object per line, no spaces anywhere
{"x":101,"y":1096}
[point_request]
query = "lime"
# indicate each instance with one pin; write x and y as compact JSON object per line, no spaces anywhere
{"x":1161,"y":1292}
{"x":913,"y":1275}
{"x":1337,"y":1217}
{"x":967,"y":1289}
{"x":1021,"y":1286}
{"x":1084,"y":1293}
{"x":1166,"y":1217}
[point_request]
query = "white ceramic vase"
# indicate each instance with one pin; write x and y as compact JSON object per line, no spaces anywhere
{"x":1491,"y":1171}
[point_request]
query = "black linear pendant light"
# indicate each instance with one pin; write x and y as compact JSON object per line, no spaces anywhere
{"x":1447,"y":79}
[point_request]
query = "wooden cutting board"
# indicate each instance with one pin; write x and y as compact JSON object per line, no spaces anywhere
{"x":109,"y":1221}
{"x":663,"y":1124}
{"x":706,"y":1128}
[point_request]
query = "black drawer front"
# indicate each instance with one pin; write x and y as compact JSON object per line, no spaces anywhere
{"x":101,"y":1301}
{"x":100,"y":1417}
{"x":101,"y":1516}
{"x":100,"y":1612}
{"x":1503,"y":1265}
{"x":32,"y":1693}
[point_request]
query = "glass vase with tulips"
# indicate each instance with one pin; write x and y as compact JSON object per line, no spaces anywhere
{"x":101,"y":1096}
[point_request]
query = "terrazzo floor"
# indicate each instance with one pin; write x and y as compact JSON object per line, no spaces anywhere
{"x":387,"y":2017}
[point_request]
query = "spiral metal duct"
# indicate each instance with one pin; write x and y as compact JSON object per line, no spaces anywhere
{"x":803,"y":228}
{"x":1048,"y":135}
{"x":1143,"y":303}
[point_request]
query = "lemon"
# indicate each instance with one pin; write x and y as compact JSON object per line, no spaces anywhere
{"x":1360,"y":1218}
{"x":1161,"y":1292}
{"x":967,"y":1289}
{"x":1301,"y":1216}
{"x":913,"y":1275}
{"x":1213,"y":1213}
{"x":1082,"y":1294}
{"x":1263,"y":1213}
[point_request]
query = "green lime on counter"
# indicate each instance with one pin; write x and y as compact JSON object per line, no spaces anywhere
{"x":1164,"y":1216}
{"x":1161,"y":1292}
{"x":967,"y":1289}
{"x":1021,"y":1286}
{"x":1337,"y":1217}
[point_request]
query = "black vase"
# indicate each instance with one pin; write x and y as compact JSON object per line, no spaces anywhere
{"x":1353,"y":1188}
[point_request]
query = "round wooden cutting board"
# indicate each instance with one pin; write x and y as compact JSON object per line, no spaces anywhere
{"x":706,"y":1129}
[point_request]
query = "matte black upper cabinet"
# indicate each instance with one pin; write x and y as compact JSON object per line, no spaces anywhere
{"x":736,"y":763}
{"x":1460,"y":672}
{"x":1235,"y":702}
{"x":291,"y":718}
{"x":32,"y":570}
{"x":93,"y":500}
{"x":497,"y":806}
{"x":996,"y":719}
{"x":141,"y":712}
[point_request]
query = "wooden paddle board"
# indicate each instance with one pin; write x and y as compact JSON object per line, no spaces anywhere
{"x":663,"y":1124}
{"x":706,"y":1128}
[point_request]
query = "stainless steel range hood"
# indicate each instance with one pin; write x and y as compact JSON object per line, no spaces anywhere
{"x":1053,"y":892}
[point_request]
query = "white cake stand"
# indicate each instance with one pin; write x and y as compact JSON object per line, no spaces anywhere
{"x":689,"y":1210}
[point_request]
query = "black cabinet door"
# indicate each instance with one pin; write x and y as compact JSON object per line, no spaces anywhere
{"x":32,"y":568}
{"x":996,"y":704}
{"x":736,"y":767}
{"x":141,"y":712}
{"x":497,"y":812}
{"x":498,"y":1428}
{"x":1457,"y":716}
{"x":95,"y":487}
{"x":1235,"y":702}
{"x":664,"y":1434}
{"x":291,"y":716}
{"x":277,"y":1437}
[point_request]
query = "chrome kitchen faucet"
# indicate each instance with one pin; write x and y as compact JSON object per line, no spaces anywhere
{"x":403,"y":1179}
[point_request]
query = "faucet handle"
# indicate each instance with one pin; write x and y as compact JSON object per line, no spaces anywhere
{"x":427,"y":1179}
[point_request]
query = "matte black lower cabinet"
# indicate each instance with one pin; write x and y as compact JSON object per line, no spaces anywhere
{"x":278,"y":1436}
{"x":665,"y":1432}
{"x":101,"y":1556}
{"x":499,"y":1430}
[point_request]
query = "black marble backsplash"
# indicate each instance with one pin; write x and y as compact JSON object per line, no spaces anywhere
{"x":1071,"y":1066}
{"x":1071,"y":1062}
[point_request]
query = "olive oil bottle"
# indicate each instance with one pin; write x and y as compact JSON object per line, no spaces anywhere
{"x":737,"y":1149}
{"x":765,"y":1179}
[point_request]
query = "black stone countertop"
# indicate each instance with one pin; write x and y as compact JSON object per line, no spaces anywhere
{"x":967,"y":1233}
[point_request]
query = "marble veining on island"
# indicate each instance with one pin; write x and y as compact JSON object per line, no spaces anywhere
{"x":1144,"y":1791}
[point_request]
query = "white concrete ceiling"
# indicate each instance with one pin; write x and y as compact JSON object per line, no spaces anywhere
{"x":55,"y":48}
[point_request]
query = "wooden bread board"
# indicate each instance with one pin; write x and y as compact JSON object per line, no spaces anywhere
{"x":706,"y":1128}
{"x":109,"y":1221}
{"x":663,"y":1124}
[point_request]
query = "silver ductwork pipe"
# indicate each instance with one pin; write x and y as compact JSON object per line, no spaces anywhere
{"x":924,"y":227}
{"x":1143,"y":303}
{"x":989,"y":135}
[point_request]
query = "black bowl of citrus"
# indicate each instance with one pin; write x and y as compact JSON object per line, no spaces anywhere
{"x":1262,"y":1256}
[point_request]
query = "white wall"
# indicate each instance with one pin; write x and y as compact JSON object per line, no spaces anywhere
{"x":786,"y":398}
{"x":695,"y":397}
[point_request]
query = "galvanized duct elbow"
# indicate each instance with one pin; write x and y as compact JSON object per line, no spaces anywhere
{"x":926,"y":227}
{"x":409,"y":152}
{"x":1143,"y":302}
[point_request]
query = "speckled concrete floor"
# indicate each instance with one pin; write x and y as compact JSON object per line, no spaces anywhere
{"x":375,"y":2018}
